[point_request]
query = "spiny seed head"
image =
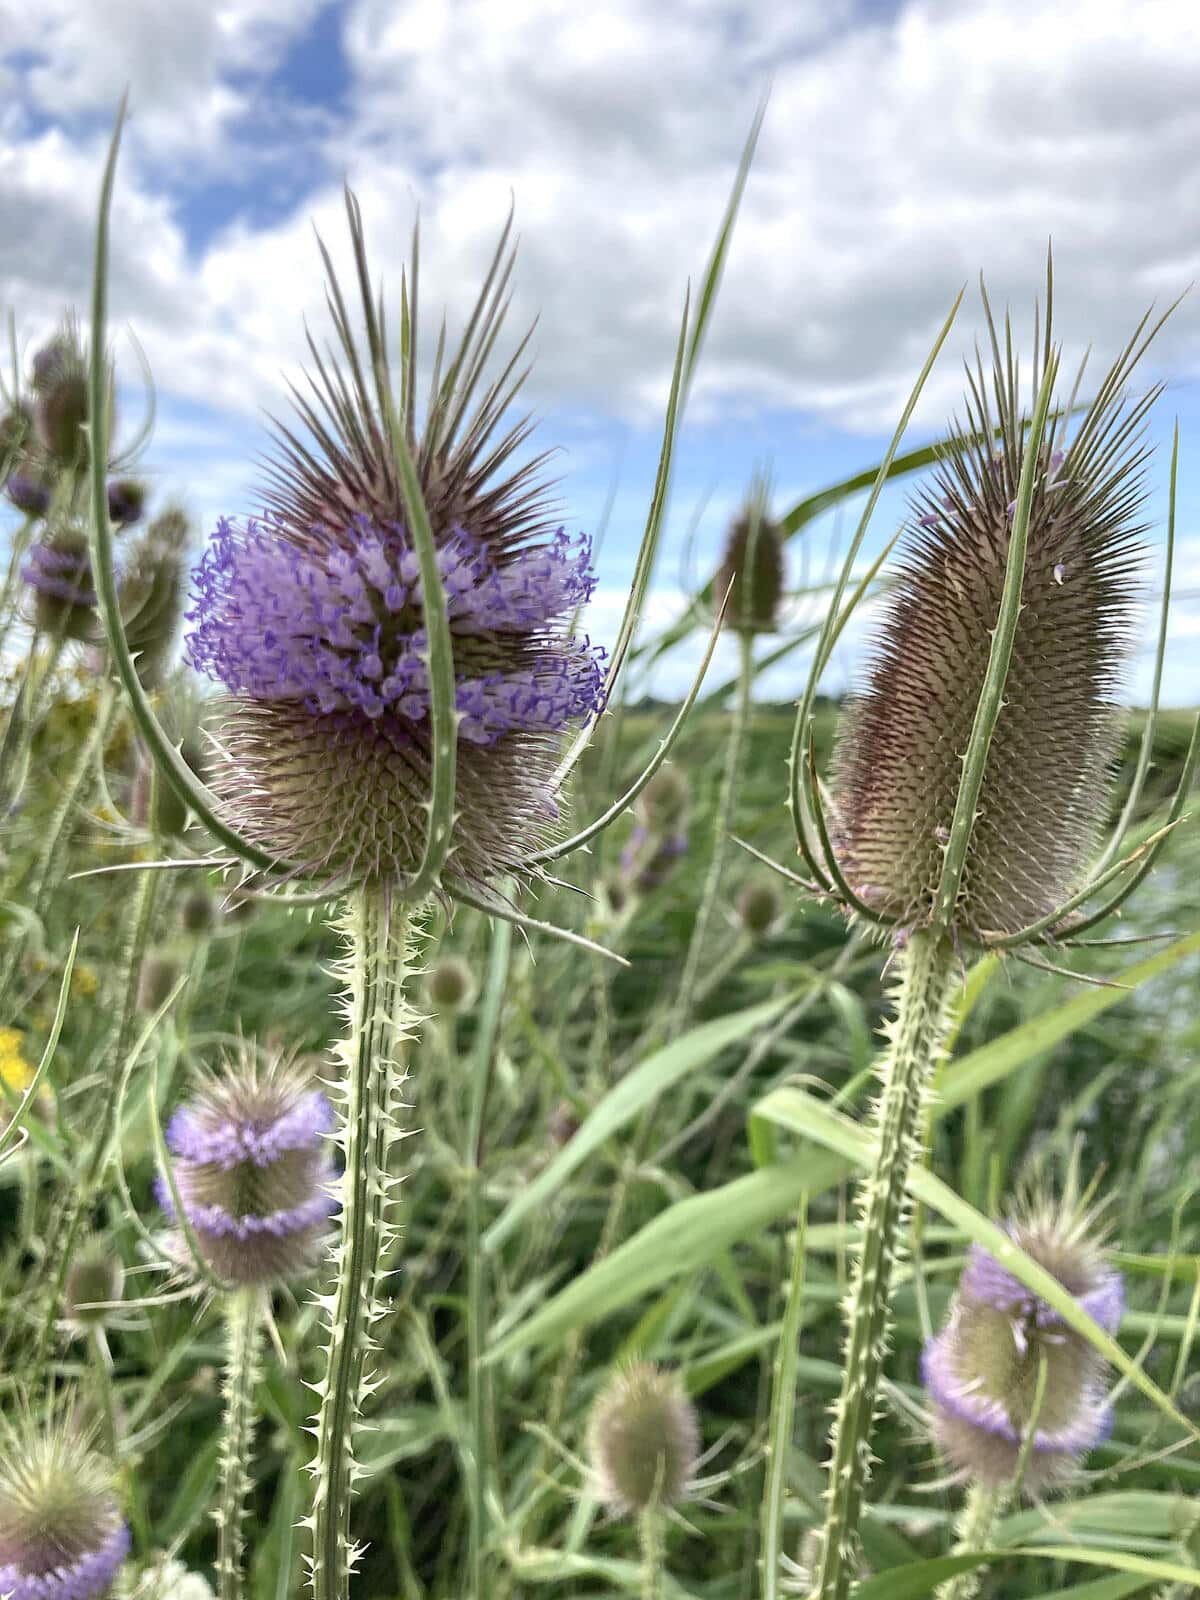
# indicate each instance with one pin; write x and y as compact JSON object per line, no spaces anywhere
{"x":158,"y":976}
{"x":198,"y":912}
{"x":663,"y":803}
{"x":753,"y":565}
{"x":153,"y":593}
{"x":61,"y":1533}
{"x":58,"y":573}
{"x":982,"y":1372}
{"x":758,"y":907}
{"x":95,"y":1279}
{"x":60,"y":384}
{"x":643,"y":1439}
{"x":898,"y":763}
{"x":450,"y":984}
{"x":253,"y":1170}
{"x":313,"y":617}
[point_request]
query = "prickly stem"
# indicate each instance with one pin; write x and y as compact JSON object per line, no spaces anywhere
{"x":380,"y":1021}
{"x":243,"y":1370}
{"x":650,"y":1534}
{"x":973,"y":1531}
{"x":916,"y":1038}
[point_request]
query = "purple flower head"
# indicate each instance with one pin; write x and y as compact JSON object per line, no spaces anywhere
{"x":983,"y":1371}
{"x":313,"y":617}
{"x":58,"y":573}
{"x":126,"y":501}
{"x":61,"y":1533}
{"x":253,"y":1171}
{"x":30,"y":495}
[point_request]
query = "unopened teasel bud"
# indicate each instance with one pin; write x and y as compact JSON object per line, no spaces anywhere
{"x":643,"y":1440}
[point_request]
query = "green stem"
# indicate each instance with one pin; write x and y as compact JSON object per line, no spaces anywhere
{"x":243,"y":1369}
{"x":381,"y":1021}
{"x":973,"y":1531}
{"x":650,"y":1535}
{"x":123,"y":994}
{"x":720,"y":845}
{"x":479,"y":1389}
{"x":102,"y":1373}
{"x":916,"y":1039}
{"x":783,"y":1412}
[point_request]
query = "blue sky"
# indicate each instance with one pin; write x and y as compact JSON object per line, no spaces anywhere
{"x":906,"y":148}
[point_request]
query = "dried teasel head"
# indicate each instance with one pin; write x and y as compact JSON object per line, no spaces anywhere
{"x":899,"y":758}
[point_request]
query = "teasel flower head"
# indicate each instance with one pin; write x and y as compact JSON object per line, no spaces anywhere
{"x":60,"y":387}
{"x":58,"y":574}
{"x":643,"y":1440}
{"x":662,"y":805}
{"x":198,"y":912}
{"x":751,"y":570}
{"x":95,"y":1281}
{"x":28,"y":491}
{"x":153,"y":592}
{"x":62,"y":1536}
{"x":313,"y":618}
{"x":1002,"y":1344}
{"x":450,"y":984}
{"x":649,"y":856}
{"x":898,"y":765}
{"x":252,"y":1165}
{"x":758,"y":908}
{"x":158,"y":975}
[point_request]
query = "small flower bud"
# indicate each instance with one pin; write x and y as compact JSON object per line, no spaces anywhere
{"x":159,"y":975}
{"x":253,"y":1171}
{"x":61,"y":1533}
{"x":198,"y":912}
{"x":758,"y":908}
{"x":126,"y":501}
{"x":643,"y":1440}
{"x":663,"y":803}
{"x":95,"y":1279}
{"x":450,"y":984}
{"x":982,"y":1372}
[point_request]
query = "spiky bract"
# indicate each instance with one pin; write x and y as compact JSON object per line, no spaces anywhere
{"x":643,"y":1439}
{"x":898,"y":763}
{"x":1002,"y":1343}
{"x":253,"y":1170}
{"x":313,"y":618}
{"x":61,"y":1532}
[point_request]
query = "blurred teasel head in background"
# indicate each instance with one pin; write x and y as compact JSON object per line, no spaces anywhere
{"x":153,"y":593}
{"x":1006,"y":1363}
{"x":751,"y":571}
{"x":61,"y":1532}
{"x":643,"y":1440}
{"x":252,"y":1165}
{"x":94,"y":1283}
{"x":450,"y":984}
{"x":58,"y":574}
{"x":899,"y":760}
{"x":313,"y":617}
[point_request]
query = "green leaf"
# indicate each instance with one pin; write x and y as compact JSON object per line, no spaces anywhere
{"x":626,"y":1099}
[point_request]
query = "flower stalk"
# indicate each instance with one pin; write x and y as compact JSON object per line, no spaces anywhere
{"x":381,"y":1021}
{"x":917,"y":1036}
{"x":243,"y":1370}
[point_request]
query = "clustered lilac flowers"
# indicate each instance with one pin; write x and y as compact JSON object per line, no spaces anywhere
{"x":984,"y":1369}
{"x":313,"y":618}
{"x":62,"y":1536}
{"x":254,"y":1173}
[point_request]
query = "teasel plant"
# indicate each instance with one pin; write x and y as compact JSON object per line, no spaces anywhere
{"x":249,"y":1182}
{"x":970,"y":776}
{"x":395,"y":638}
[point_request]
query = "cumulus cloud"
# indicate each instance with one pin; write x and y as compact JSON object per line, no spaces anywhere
{"x":899,"y":155}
